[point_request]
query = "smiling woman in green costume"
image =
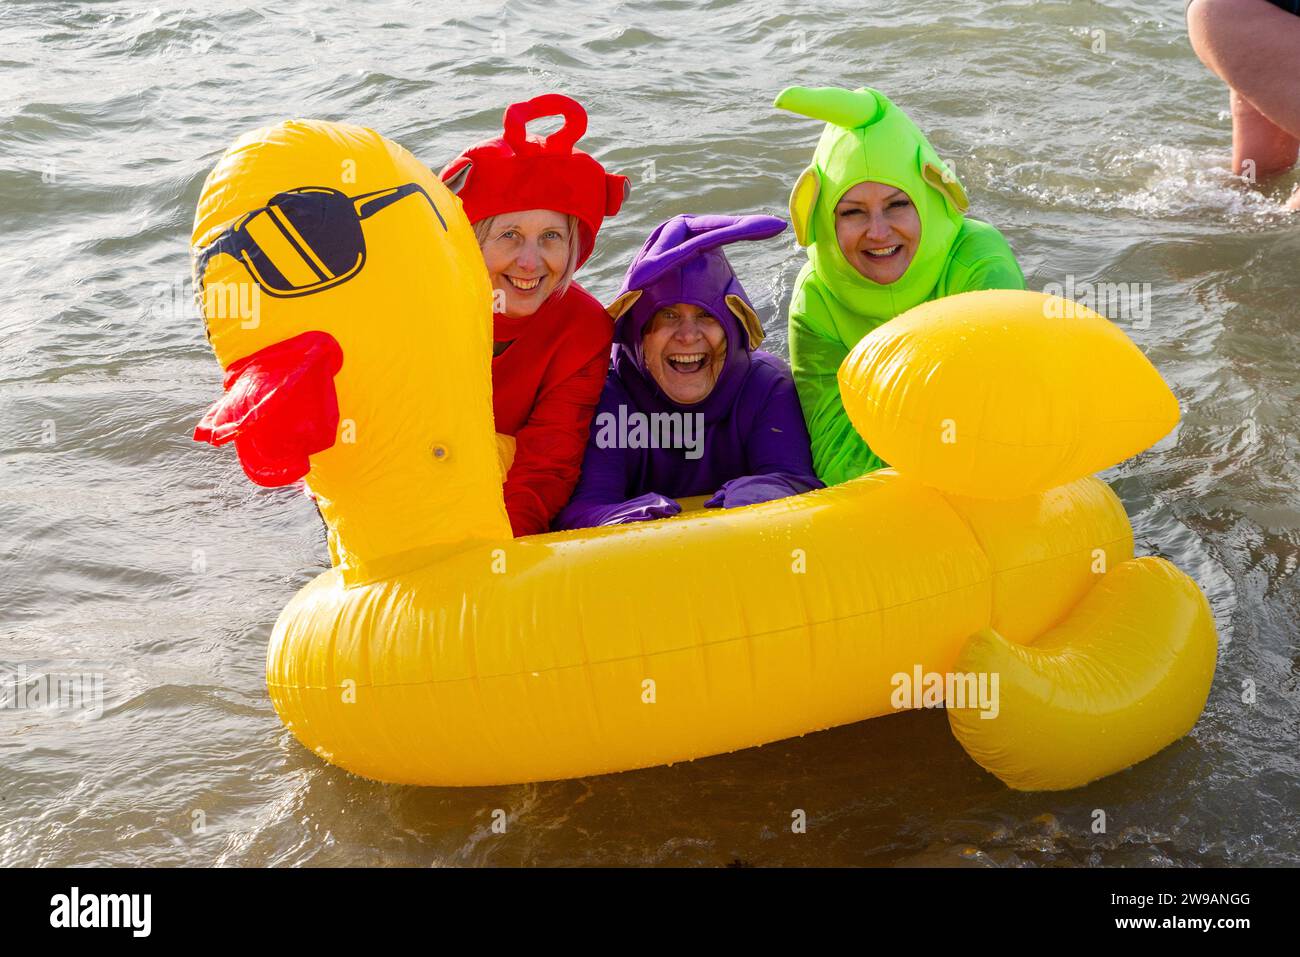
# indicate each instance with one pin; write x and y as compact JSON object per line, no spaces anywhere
{"x":883,"y":221}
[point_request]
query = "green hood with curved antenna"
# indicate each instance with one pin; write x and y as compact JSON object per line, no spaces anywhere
{"x":869,"y":138}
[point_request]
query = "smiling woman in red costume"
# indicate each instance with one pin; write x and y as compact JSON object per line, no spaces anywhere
{"x":536,"y":204}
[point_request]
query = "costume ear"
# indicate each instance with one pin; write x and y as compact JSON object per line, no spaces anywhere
{"x":942,"y":179}
{"x":456,"y":181}
{"x":623,"y":303}
{"x":748,"y":318}
{"x":617,"y":189}
{"x":803,"y":201}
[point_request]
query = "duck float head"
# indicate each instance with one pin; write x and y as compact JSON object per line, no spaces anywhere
{"x":349,"y":307}
{"x":340,"y":281}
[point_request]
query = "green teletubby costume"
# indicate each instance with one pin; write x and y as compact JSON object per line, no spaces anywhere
{"x":869,"y":138}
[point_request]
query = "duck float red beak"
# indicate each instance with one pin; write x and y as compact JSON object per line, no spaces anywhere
{"x":279,"y":408}
{"x":440,"y":650}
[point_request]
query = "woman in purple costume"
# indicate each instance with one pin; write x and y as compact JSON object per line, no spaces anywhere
{"x":691,"y":405}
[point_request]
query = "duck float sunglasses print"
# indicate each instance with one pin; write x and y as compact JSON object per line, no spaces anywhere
{"x":305,"y":240}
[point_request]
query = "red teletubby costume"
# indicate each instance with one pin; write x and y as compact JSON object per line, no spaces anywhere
{"x":546,"y":383}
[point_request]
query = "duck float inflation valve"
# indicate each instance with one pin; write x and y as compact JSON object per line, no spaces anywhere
{"x":439,"y":650}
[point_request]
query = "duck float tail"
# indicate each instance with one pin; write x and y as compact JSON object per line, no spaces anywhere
{"x":346,"y":299}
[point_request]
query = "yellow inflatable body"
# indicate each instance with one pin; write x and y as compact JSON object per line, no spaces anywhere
{"x":440,"y":651}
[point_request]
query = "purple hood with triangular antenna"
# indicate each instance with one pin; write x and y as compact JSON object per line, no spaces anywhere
{"x":683,"y":261}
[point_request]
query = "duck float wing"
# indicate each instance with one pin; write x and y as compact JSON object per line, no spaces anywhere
{"x":1003,"y":393}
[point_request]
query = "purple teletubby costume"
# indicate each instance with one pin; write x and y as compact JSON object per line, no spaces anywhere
{"x":753,"y":444}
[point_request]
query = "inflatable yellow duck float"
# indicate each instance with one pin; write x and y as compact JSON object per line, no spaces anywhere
{"x":347,"y":302}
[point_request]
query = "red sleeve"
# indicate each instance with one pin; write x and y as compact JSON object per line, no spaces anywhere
{"x":549,"y":447}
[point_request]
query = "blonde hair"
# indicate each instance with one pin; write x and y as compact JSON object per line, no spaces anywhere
{"x":483,"y":230}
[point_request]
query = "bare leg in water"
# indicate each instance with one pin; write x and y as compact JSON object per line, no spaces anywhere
{"x":1254,"y":47}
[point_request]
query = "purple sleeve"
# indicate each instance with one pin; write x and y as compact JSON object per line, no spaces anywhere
{"x":601,"y":495}
{"x":777,"y":452}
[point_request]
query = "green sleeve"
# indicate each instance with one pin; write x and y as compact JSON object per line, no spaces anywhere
{"x":980,"y":259}
{"x":838,"y":452}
